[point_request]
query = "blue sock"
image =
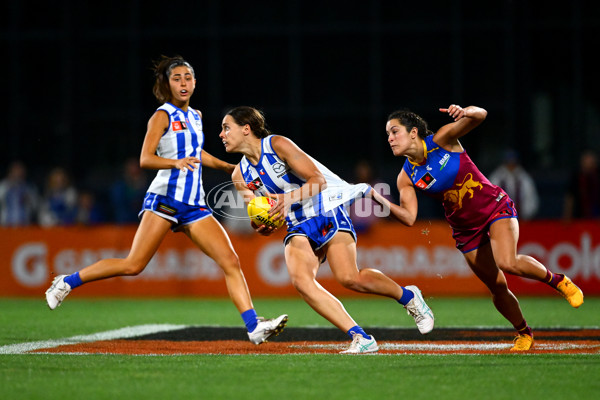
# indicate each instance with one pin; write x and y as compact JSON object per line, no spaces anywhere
{"x":357,"y":330}
{"x":74,"y":280}
{"x":407,"y":296}
{"x":250,"y":319}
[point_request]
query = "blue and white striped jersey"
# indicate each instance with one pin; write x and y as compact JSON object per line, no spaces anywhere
{"x":273,"y":175}
{"x":184,"y":138}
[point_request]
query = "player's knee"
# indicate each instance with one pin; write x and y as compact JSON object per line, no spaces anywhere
{"x":230,"y":262}
{"x":508,"y":265}
{"x":303,"y":284}
{"x":133,"y":268}
{"x":498,"y":287}
{"x":350,"y":281}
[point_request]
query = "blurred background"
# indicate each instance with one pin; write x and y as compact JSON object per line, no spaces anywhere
{"x":77,"y":86}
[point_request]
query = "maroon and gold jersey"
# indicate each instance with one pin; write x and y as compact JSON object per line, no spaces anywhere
{"x":470,"y":200}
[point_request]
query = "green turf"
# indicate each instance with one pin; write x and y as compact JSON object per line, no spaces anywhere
{"x":92,"y":377}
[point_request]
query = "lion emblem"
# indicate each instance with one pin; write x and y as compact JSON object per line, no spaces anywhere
{"x":455,"y":196}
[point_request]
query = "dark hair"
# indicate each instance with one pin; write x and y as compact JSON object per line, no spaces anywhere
{"x":251,"y":116}
{"x":411,"y":120}
{"x":162,"y":71}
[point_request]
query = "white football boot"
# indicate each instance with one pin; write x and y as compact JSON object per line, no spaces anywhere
{"x":267,"y":328}
{"x":57,"y":292}
{"x":420,"y":311}
{"x":361,"y":345}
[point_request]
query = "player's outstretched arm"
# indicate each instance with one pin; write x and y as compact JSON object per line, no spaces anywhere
{"x":406,"y":211}
{"x":210,"y":161}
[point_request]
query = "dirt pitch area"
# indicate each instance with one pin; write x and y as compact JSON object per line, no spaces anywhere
{"x":227,"y":340}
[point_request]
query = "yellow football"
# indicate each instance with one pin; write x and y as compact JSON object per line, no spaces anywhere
{"x":258,"y":211}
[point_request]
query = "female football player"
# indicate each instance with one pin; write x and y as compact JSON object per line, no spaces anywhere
{"x":175,"y":200}
{"x":482,"y":216}
{"x":312,"y":200}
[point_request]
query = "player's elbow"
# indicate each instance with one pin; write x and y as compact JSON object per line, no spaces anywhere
{"x":408,"y":218}
{"x":147,"y":162}
{"x":478,"y":113}
{"x":483,"y":113}
{"x":322,"y":183}
{"x":143,"y":162}
{"x":318,"y":183}
{"x":410,"y":221}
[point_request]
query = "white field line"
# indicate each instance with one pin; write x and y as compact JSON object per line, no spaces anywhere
{"x":454,"y":346}
{"x":122,"y":333}
{"x":482,"y":346}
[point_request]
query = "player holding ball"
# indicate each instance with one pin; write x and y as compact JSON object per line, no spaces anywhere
{"x":258,"y":211}
{"x":312,"y":201}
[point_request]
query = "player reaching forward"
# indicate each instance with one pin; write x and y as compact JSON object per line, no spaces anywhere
{"x":482,"y":216}
{"x":175,"y":200}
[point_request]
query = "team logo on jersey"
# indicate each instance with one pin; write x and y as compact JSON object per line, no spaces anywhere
{"x":425,"y":182}
{"x":178,"y":125}
{"x":255,"y":184}
{"x":455,"y":196}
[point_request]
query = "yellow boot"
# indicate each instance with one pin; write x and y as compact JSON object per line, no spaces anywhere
{"x":523,"y":342}
{"x":570,"y":291}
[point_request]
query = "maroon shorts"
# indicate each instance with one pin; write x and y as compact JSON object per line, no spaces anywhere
{"x":474,"y":237}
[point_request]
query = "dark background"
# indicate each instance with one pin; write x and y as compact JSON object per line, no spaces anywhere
{"x":76,"y":79}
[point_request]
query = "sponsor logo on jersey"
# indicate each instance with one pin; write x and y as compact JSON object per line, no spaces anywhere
{"x":178,"y":125}
{"x":278,"y":168}
{"x":425,"y":182}
{"x":255,"y":184}
{"x":326,"y":229}
{"x":444,"y":161}
{"x":262,"y":171}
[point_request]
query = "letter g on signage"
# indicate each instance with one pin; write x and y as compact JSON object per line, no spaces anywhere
{"x":29,"y":265}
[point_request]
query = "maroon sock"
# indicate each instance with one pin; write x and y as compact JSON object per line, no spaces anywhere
{"x":524,"y":329}
{"x":553,"y":279}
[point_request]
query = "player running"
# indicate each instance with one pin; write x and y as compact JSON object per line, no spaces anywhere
{"x":175,"y":200}
{"x":482,"y":216}
{"x":312,"y":200}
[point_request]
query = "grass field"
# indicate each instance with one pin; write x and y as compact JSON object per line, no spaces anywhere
{"x":47,"y":376}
